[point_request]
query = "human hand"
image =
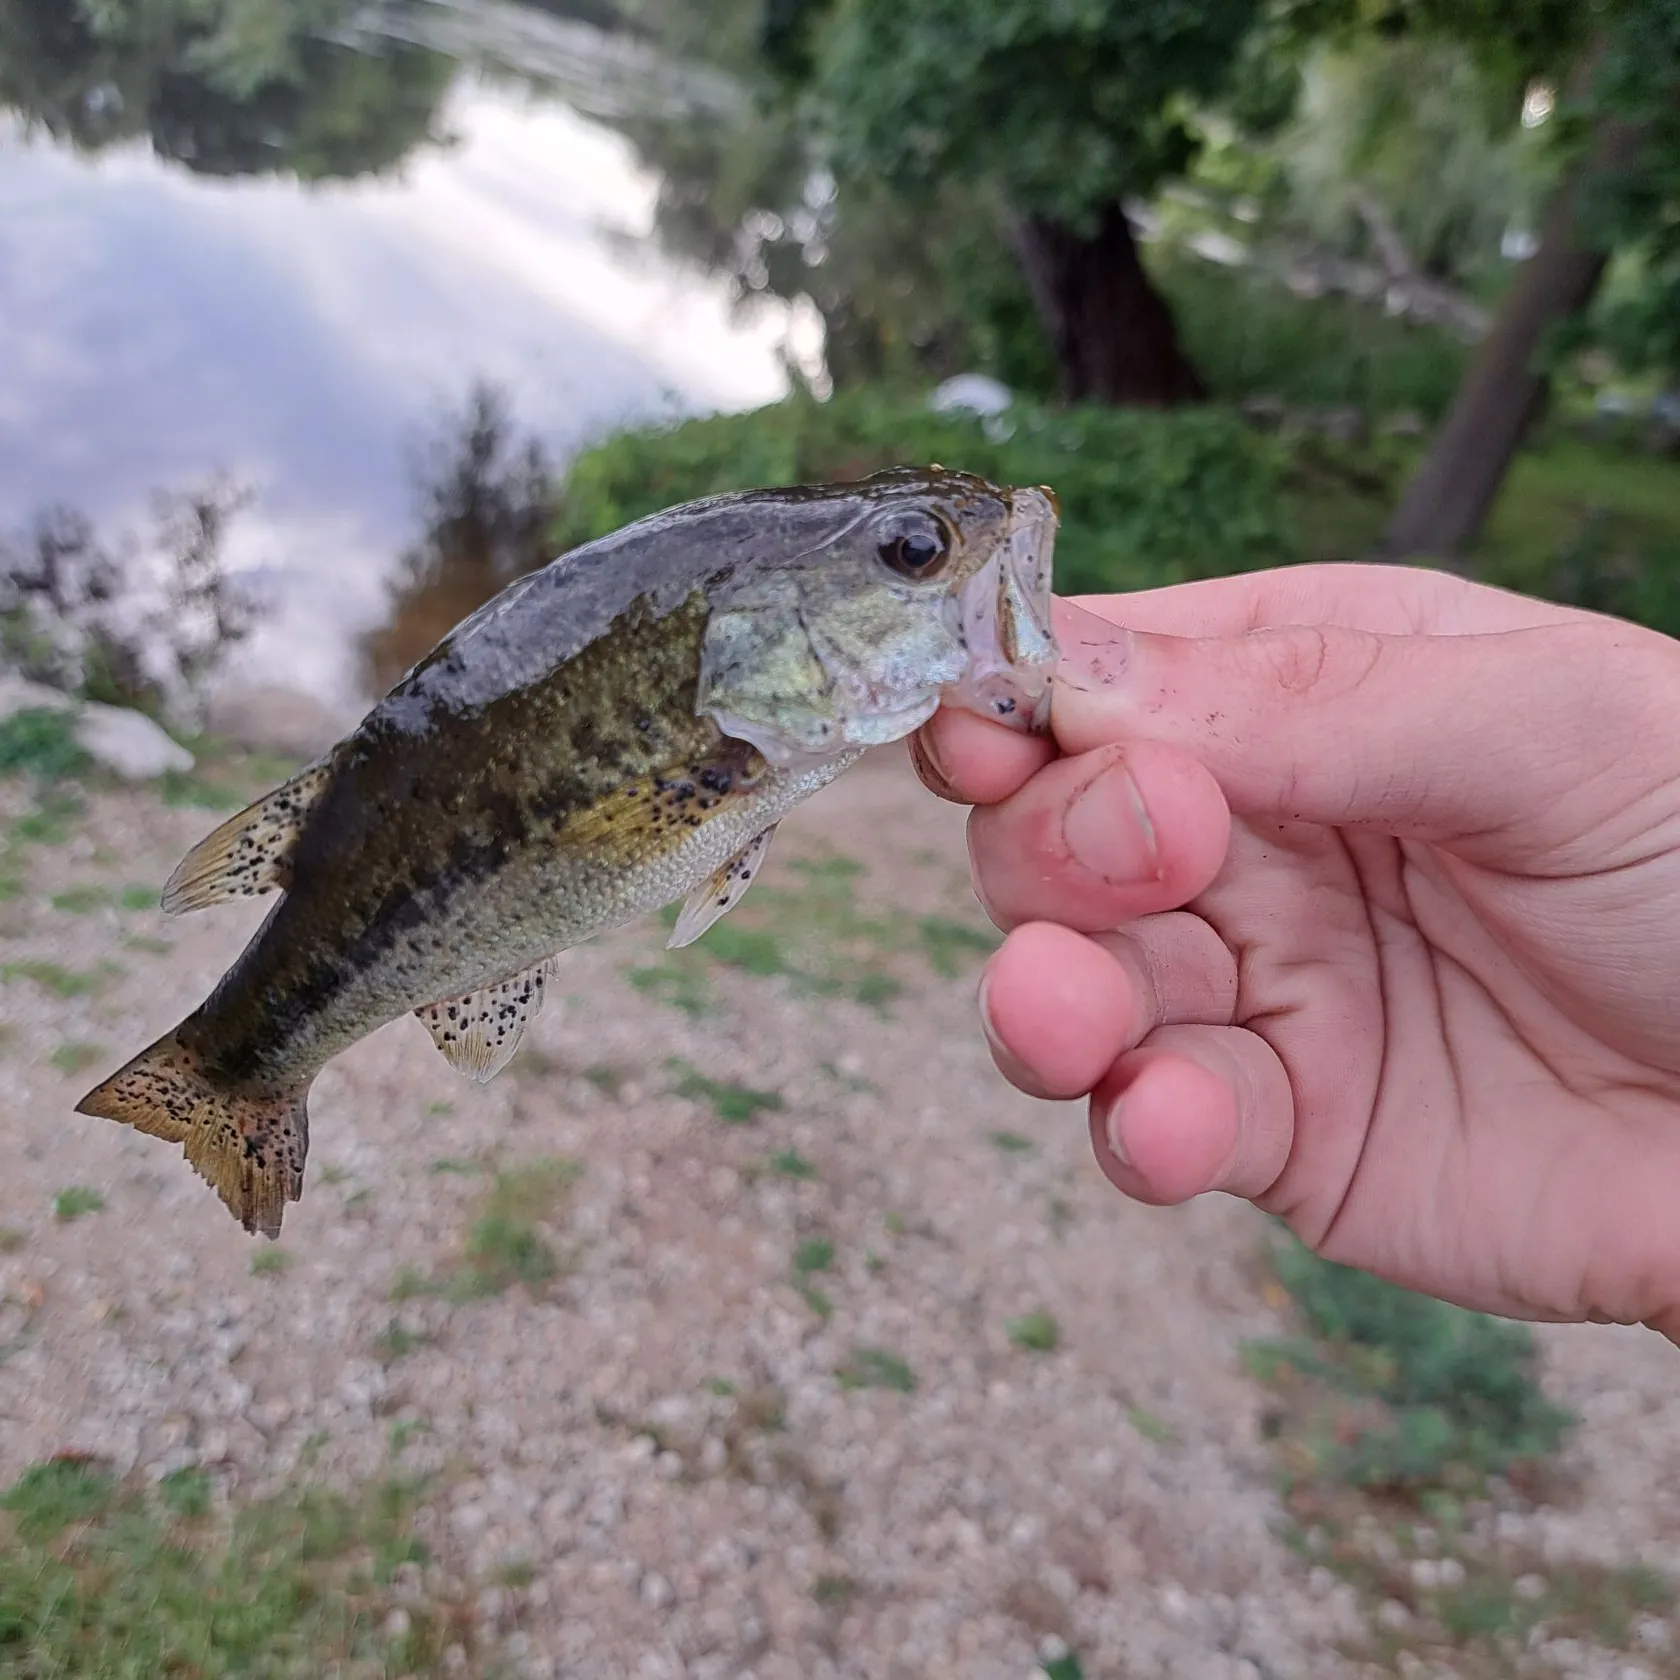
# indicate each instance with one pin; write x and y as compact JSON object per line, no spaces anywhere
{"x":1355,"y":891}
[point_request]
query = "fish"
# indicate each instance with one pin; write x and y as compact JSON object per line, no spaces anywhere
{"x":617,"y":731}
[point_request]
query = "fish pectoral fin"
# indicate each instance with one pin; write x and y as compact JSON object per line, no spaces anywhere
{"x":720,"y":892}
{"x":250,"y":853}
{"x":479,"y":1033}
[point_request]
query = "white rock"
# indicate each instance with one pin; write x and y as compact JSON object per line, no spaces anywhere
{"x":127,"y":742}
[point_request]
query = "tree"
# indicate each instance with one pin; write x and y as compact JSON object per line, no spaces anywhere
{"x":1620,"y":140}
{"x":1065,"y":112}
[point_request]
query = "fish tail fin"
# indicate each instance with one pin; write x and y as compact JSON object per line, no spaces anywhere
{"x":249,"y":1144}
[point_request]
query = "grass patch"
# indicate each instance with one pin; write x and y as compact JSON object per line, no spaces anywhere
{"x":735,"y":1105}
{"x":152,"y":947}
{"x":1010,"y":1143}
{"x":789,"y":1163}
{"x":1393,"y":1412}
{"x":79,"y":901}
{"x":12,"y":1239}
{"x":409,"y":1283}
{"x":268,"y":1262}
{"x":51,"y":823}
{"x":137,"y":897}
{"x":61,"y":982}
{"x":1395,"y":1391}
{"x":1038,"y":1332}
{"x":1151,"y":1427}
{"x":834,"y":1592}
{"x":187,"y":788}
{"x":40,"y":741}
{"x":396,"y":1342}
{"x":1472,"y":1609}
{"x":606,"y":1079}
{"x":871,"y":1367}
{"x":1065,"y":1667}
{"x":813,"y":933}
{"x":504,"y":1246}
{"x":72,"y":1058}
{"x":75,"y":1200}
{"x":815,"y":1254}
{"x":951,"y":948}
{"x":102,"y":1578}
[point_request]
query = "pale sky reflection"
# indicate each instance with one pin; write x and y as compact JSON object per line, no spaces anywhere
{"x":156,"y":326}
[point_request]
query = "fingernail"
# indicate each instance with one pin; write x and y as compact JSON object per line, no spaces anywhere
{"x":926,"y":760}
{"x":1111,"y":1132}
{"x":1108,"y":832}
{"x":1008,"y":1063}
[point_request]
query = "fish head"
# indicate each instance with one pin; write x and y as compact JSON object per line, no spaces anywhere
{"x":925,"y":588}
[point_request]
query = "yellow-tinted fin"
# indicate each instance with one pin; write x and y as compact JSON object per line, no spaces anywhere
{"x":250,"y":853}
{"x":479,"y":1033}
{"x":249,"y":1145}
{"x":720,"y":892}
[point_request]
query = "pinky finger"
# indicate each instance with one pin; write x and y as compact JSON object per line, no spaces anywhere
{"x":1194,"y":1109}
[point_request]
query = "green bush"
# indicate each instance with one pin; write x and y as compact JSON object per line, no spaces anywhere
{"x":1250,"y":336}
{"x":1429,"y":1395}
{"x":1147,"y":498}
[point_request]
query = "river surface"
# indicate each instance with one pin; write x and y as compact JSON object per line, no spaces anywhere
{"x":159,"y":324}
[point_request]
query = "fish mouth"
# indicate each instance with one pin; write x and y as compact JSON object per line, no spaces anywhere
{"x":1005,"y":621}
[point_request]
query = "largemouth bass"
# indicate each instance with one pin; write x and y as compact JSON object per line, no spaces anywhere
{"x":617,"y":731}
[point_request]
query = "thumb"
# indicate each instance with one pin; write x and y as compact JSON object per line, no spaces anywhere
{"x":1434,"y":737}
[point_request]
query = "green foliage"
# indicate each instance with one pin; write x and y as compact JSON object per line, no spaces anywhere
{"x":75,"y":1200}
{"x":871,"y":1367}
{"x":735,"y":1105}
{"x":104,"y":1580}
{"x":1417,"y":1394}
{"x":41,"y":741}
{"x":1251,"y":337}
{"x":1067,"y":108}
{"x":504,"y":1246}
{"x":815,"y":1254}
{"x":1038,"y":1332}
{"x":789,"y":1163}
{"x":1146,"y":498}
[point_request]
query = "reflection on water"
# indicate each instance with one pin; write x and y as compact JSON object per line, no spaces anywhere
{"x":486,"y":504}
{"x":240,"y":246}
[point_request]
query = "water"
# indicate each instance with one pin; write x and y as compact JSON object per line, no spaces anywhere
{"x":159,"y":323}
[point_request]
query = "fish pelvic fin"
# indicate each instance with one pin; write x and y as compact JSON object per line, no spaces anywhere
{"x":250,"y":853}
{"x":249,"y":1144}
{"x":479,"y":1033}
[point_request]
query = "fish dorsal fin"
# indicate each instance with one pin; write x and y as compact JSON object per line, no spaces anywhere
{"x":250,"y":853}
{"x":720,"y":892}
{"x":479,"y":1033}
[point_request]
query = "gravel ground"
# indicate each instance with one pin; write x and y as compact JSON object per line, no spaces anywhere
{"x":648,"y":1465}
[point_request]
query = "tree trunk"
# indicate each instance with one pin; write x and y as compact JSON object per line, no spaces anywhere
{"x":1113,"y":334}
{"x":1444,"y":506}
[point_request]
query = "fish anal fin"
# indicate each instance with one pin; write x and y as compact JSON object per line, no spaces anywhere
{"x":479,"y":1033}
{"x":250,"y":853}
{"x":250,"y":1145}
{"x":720,"y":892}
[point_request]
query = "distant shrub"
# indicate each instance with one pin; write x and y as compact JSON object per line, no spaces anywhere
{"x":1146,"y":497}
{"x":1250,"y":336}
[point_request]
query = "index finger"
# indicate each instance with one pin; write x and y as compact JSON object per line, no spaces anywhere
{"x":1388,"y":599}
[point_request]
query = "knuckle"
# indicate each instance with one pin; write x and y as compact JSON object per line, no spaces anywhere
{"x":1309,"y":660}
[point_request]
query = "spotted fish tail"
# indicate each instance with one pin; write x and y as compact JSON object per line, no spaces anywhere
{"x":250,"y":1144}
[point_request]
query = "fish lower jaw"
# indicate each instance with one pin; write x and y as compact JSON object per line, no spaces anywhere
{"x":838,"y":744}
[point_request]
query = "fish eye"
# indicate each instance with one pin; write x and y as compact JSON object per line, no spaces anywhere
{"x":914,"y":545}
